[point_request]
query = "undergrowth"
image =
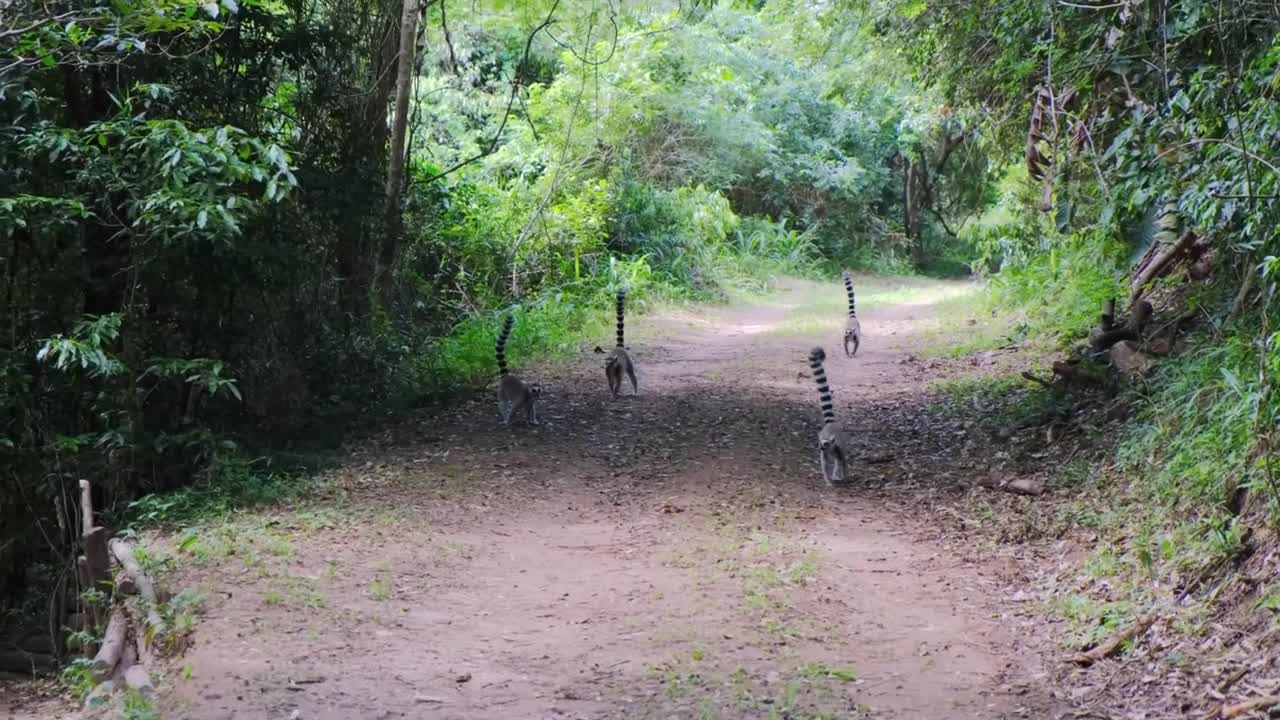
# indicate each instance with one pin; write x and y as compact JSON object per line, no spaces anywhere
{"x":1059,"y":284}
{"x":1195,"y":471}
{"x":998,"y":401}
{"x":1186,"y":485}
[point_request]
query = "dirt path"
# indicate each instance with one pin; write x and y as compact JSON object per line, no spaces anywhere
{"x":670,"y":555}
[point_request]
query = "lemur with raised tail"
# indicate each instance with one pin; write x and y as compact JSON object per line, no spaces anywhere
{"x":833,"y":444}
{"x":619,"y":361}
{"x":513,"y":394}
{"x":852,"y":328}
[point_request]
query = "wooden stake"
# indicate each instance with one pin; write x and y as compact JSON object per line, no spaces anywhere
{"x":86,"y":507}
{"x":95,"y":551}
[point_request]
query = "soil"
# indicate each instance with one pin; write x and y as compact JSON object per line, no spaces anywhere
{"x":675,"y":554}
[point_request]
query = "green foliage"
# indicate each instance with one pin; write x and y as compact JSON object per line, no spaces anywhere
{"x":1091,"y":622}
{"x":228,"y":482}
{"x":1194,"y":447}
{"x":1003,"y":401}
{"x":202,"y":273}
{"x":1060,"y":283}
{"x":77,"y":678}
{"x":179,"y":615}
{"x":1163,"y":122}
{"x":137,"y":706}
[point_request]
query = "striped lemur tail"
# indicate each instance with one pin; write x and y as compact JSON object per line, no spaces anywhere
{"x":622,"y":297}
{"x":848,"y":286}
{"x":500,"y":348}
{"x":816,"y":356}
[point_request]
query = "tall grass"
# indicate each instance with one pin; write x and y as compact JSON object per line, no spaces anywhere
{"x":1061,"y":285}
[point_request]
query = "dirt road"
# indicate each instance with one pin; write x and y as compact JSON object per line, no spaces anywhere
{"x":671,"y":555}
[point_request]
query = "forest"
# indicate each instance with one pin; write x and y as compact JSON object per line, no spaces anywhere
{"x":241,"y":238}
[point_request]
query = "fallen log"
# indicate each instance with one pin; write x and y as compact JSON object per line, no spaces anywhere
{"x":1017,"y":486}
{"x":113,"y":645}
{"x":1100,"y":340}
{"x":1114,"y":643}
{"x":1036,"y":379}
{"x":137,"y":678}
{"x":1159,"y":264}
{"x":123,"y":553}
{"x":1243,"y":708}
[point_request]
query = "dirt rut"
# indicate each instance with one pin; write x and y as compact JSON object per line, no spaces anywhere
{"x":674,"y":554}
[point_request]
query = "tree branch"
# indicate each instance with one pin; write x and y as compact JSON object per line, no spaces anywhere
{"x":448,"y":39}
{"x":506,"y":114}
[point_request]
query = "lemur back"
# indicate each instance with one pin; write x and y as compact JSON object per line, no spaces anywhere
{"x":619,"y":361}
{"x":832,"y":443}
{"x":852,"y":327}
{"x":513,"y":394}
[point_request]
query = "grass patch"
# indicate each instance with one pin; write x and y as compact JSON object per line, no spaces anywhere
{"x":179,"y":614}
{"x":1058,"y":293}
{"x":996,"y":400}
{"x":138,"y":707}
{"x":821,"y":671}
{"x":814,"y":308}
{"x":967,"y":323}
{"x":1183,"y":464}
{"x":1269,"y":601}
{"x":808,"y":690}
{"x":231,"y":482}
{"x":380,"y":589}
{"x":1091,"y":621}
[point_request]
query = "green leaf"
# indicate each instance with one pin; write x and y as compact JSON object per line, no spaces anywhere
{"x":913,"y":9}
{"x":1232,"y":381}
{"x":202,"y":219}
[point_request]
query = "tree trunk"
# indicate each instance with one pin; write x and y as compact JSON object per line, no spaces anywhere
{"x":395,"y":174}
{"x":908,"y":213}
{"x":366,"y":150}
{"x":914,"y":201}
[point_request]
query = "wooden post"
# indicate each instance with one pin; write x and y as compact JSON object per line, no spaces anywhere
{"x":86,"y":507}
{"x":94,"y":566}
